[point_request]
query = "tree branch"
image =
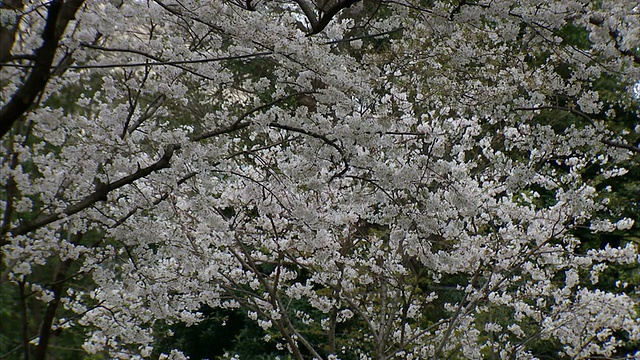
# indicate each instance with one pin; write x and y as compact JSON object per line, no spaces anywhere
{"x":150,"y":63}
{"x":50,"y":313}
{"x":308,"y":12}
{"x":318,"y":24}
{"x":240,"y":124}
{"x":155,"y":202}
{"x":59,"y":15}
{"x":586,"y":117}
{"x":368,"y":36}
{"x":621,"y":145}
{"x":99,"y":195}
{"x":328,"y":16}
{"x":25,"y":320}
{"x":324,"y":138}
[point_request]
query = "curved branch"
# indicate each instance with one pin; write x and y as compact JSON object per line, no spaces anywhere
{"x":308,"y":12}
{"x":319,"y":23}
{"x":621,"y":145}
{"x":150,"y":63}
{"x":59,"y":15}
{"x":324,"y":139}
{"x":240,"y":124}
{"x":99,"y":195}
{"x":101,"y":192}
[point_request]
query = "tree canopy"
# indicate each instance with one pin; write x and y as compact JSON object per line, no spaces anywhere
{"x":339,"y":179}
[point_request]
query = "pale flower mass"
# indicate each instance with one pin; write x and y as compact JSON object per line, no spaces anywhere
{"x":306,"y":179}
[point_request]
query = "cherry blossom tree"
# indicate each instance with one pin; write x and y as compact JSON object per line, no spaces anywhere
{"x":363,"y":179}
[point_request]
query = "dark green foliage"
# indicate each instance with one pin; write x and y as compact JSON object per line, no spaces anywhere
{"x":222,"y":331}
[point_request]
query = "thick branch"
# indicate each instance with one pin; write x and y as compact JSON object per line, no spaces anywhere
{"x":319,"y":23}
{"x":7,"y":39}
{"x":621,"y":145}
{"x":59,"y":15}
{"x":99,"y":195}
{"x":102,"y":191}
{"x":328,"y":16}
{"x":25,"y":320}
{"x":308,"y":12}
{"x":50,"y":313}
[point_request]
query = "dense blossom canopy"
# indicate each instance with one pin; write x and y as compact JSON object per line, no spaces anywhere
{"x":364,"y":179}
